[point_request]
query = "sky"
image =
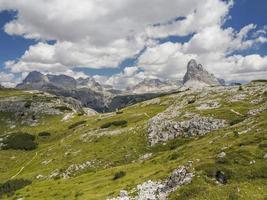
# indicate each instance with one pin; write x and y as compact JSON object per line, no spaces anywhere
{"x":122,"y":42}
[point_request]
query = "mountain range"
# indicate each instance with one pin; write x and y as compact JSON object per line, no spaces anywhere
{"x":104,"y":98}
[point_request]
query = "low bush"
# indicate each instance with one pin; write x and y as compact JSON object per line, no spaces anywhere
{"x":191,"y":101}
{"x":236,"y":121}
{"x":174,"y":156}
{"x":63,"y":108}
{"x":44,"y":134}
{"x":20,"y":141}
{"x":28,"y":104}
{"x":12,"y":185}
{"x":121,"y":123}
{"x":119,"y":175}
{"x":213,"y":171}
{"x":119,"y":112}
{"x":76,"y":124}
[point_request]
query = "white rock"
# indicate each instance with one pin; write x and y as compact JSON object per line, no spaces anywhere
{"x":221,"y":155}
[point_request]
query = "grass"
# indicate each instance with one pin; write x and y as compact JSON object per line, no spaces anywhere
{"x":118,"y":149}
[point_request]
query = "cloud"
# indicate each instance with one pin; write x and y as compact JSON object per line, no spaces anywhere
{"x":103,"y":33}
{"x":7,"y":79}
{"x":204,"y":14}
{"x":94,"y":34}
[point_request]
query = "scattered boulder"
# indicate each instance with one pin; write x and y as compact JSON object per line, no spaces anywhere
{"x":151,"y":190}
{"x":208,"y":105}
{"x":221,"y":177}
{"x":238,"y":97}
{"x":221,"y":155}
{"x":259,"y":110}
{"x":40,"y":177}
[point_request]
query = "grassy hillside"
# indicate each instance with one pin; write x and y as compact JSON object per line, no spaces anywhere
{"x":121,"y":148}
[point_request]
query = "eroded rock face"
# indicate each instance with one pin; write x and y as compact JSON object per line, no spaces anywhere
{"x":197,"y":76}
{"x":152,"y":190}
{"x":161,"y":130}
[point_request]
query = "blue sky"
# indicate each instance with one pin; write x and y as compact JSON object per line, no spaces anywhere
{"x":13,"y":45}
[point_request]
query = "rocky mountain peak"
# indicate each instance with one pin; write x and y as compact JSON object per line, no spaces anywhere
{"x":34,"y":77}
{"x":197,"y":75}
{"x":88,"y":82}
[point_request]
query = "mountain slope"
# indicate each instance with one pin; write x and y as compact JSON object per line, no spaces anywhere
{"x":153,"y":86}
{"x":96,"y":157}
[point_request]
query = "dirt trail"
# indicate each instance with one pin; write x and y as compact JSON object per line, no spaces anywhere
{"x":237,"y":113}
{"x":22,"y":168}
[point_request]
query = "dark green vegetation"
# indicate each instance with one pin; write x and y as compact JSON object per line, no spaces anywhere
{"x":20,"y":141}
{"x":121,"y":123}
{"x":76,"y":124}
{"x":63,"y":108}
{"x":236,"y":120}
{"x":119,"y":175}
{"x":11,"y":186}
{"x":44,"y":134}
{"x":117,"y":151}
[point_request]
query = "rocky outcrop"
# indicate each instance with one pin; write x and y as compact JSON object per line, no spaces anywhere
{"x":197,"y":77}
{"x":256,"y":111}
{"x":30,"y":108}
{"x":160,"y":190}
{"x":209,"y":105}
{"x":161,"y":130}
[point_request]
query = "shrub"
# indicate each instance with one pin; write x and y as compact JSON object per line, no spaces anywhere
{"x":119,"y":112}
{"x":63,"y":108}
{"x":119,"y":175}
{"x":114,"y":123}
{"x":20,"y":141}
{"x":174,"y":156}
{"x":28,"y":104}
{"x":12,"y":185}
{"x":76,"y":124}
{"x":191,"y":101}
{"x":44,"y":134}
{"x":240,"y":88}
{"x":236,"y":121}
{"x":215,"y":171}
